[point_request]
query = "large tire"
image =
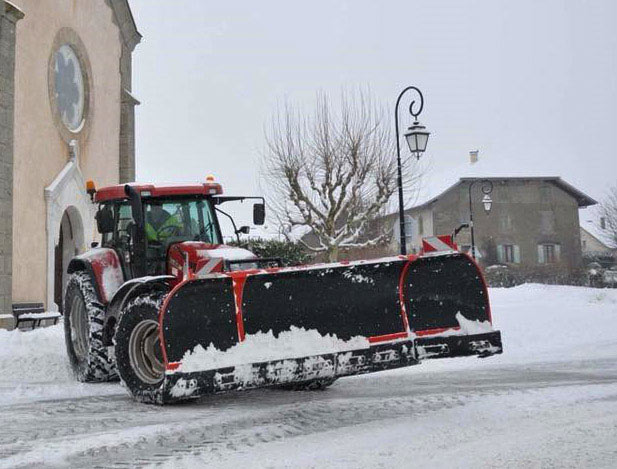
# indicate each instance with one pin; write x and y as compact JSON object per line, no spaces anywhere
{"x":84,"y":317}
{"x":138,"y":350}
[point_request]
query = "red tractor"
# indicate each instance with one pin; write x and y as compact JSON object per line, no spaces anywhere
{"x":164,"y":304}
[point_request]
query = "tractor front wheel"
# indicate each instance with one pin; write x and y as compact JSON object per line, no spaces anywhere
{"x":84,"y":317}
{"x":139,"y":355}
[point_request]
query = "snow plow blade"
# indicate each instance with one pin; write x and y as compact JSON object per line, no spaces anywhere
{"x":258,"y":328}
{"x":181,"y":386}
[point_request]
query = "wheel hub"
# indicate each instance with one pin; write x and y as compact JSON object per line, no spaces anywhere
{"x":80,"y":331}
{"x":145,"y":352}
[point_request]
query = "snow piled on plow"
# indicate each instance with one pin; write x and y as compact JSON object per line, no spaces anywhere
{"x":263,"y":347}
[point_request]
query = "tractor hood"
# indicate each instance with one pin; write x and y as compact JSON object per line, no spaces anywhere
{"x":203,"y":258}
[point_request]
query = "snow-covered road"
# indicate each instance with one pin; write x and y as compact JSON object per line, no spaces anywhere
{"x":549,"y":401}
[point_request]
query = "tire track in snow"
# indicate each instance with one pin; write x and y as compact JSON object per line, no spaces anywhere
{"x":116,"y":432}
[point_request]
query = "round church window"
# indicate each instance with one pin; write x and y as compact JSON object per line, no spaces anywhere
{"x":69,"y":87}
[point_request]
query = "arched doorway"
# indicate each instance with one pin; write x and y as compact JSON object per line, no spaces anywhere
{"x":69,"y":244}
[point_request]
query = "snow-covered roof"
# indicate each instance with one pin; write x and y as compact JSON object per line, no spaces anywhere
{"x":434,"y":184}
{"x":590,"y":222}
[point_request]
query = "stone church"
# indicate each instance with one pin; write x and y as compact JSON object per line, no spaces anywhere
{"x":66,"y":116}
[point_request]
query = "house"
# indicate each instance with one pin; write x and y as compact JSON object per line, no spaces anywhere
{"x":66,"y":116}
{"x":597,"y":244}
{"x":532,"y":220}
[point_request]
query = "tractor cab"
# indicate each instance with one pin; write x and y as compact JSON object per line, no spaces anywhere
{"x":153,"y":228}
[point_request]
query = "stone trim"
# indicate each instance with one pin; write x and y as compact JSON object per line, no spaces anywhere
{"x":9,"y":15}
{"x":66,"y":193}
{"x":127,"y":137}
{"x":10,"y":11}
{"x":125,"y":21}
{"x":130,"y":38}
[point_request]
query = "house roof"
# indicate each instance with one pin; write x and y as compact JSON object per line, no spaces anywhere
{"x":435,"y":184}
{"x":582,"y":199}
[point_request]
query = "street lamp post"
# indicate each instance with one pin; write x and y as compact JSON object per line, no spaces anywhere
{"x":417,"y":138}
{"x":487,"y":188}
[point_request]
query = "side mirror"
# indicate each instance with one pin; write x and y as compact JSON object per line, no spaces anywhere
{"x":105,"y":220}
{"x":243,"y":230}
{"x":259,"y":214}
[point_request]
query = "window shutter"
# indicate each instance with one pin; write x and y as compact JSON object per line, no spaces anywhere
{"x":540,"y":254}
{"x":501,"y":255}
{"x":557,"y":252}
{"x":517,"y":254}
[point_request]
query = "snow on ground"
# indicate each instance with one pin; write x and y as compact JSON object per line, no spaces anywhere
{"x":549,"y":401}
{"x":34,"y":366}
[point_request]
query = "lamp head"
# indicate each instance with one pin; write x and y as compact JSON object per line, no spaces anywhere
{"x":417,"y":138}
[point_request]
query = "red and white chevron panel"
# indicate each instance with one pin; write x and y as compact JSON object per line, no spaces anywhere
{"x":438,"y":243}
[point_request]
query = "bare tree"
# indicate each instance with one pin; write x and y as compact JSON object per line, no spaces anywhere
{"x":333,"y":173}
{"x":608,"y":211}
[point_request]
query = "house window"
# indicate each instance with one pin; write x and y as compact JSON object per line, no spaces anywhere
{"x":505,"y":222}
{"x":409,"y":230}
{"x":549,"y":253}
{"x":547,"y":221}
{"x":545,"y":193}
{"x":508,"y":254}
{"x":420,"y":225}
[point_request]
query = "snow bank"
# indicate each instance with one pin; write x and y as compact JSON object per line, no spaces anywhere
{"x":34,"y":356}
{"x":555,"y":322}
{"x":262,"y":347}
{"x":548,"y":323}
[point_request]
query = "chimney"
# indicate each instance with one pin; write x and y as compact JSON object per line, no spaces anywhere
{"x":473,"y":156}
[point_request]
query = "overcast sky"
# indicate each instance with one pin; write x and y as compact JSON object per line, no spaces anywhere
{"x":531,"y":84}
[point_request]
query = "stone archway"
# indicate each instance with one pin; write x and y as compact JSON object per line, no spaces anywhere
{"x":70,"y":215}
{"x":70,"y":243}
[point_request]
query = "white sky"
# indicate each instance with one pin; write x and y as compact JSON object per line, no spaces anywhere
{"x":531,"y":84}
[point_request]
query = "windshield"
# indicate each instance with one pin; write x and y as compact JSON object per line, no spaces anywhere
{"x":180,"y":220}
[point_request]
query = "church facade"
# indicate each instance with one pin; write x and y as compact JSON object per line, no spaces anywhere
{"x":66,"y":116}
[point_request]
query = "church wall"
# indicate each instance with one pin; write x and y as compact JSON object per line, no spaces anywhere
{"x":41,"y":150}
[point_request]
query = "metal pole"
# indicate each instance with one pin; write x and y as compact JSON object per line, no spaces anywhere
{"x":473,"y":241}
{"x":487,"y":188}
{"x":401,"y":208}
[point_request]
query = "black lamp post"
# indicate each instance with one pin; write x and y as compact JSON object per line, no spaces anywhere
{"x":487,"y":188}
{"x":417,"y":138}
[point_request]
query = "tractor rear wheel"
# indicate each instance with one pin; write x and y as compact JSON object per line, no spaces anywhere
{"x":139,"y":354}
{"x":84,"y":317}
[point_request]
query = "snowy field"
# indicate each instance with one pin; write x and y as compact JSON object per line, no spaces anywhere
{"x":549,"y":401}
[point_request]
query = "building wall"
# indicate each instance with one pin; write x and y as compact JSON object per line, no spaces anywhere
{"x":41,"y":151}
{"x":8,"y":18}
{"x":524,"y":213}
{"x":590,"y":245}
